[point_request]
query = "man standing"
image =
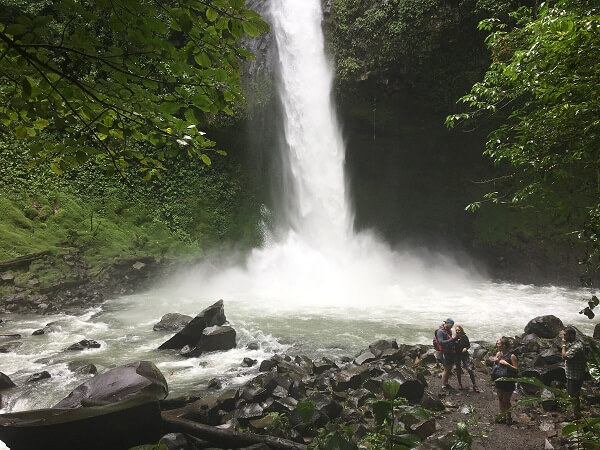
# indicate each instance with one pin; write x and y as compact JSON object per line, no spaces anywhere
{"x":446,"y":342}
{"x":575,"y":366}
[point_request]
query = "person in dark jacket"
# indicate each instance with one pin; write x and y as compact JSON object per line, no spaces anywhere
{"x":446,"y":341}
{"x":505,"y":389}
{"x":462,"y":357}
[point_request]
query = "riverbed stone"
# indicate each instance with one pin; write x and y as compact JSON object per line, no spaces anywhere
{"x":5,"y":382}
{"x":44,"y":375}
{"x":547,"y":358}
{"x":411,"y":387}
{"x":84,"y":344}
{"x":214,"y":315}
{"x":378,"y":347}
{"x":350,"y":378}
{"x":172,"y":322}
{"x":365,"y":357}
{"x":547,"y":327}
{"x":10,"y":347}
{"x":141,"y":377}
{"x":325,"y":404}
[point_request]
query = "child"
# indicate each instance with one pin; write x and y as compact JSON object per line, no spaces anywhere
{"x":462,"y":357}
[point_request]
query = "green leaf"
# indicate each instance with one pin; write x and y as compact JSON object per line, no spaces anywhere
{"x":390,"y":389}
{"x":40,"y":124}
{"x":21,"y":132}
{"x":305,"y":409}
{"x":211,"y":15}
{"x":409,"y":440}
{"x":56,"y":168}
{"x":250,"y":29}
{"x":381,"y":410}
{"x":337,"y":441}
{"x":203,"y":60}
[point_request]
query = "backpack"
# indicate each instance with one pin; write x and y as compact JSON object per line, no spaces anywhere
{"x":436,"y":342}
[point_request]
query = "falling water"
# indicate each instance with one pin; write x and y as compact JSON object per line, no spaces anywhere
{"x":317,"y":204}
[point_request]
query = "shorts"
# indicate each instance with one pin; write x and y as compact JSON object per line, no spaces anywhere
{"x":573,"y":387}
{"x":466,"y":362}
{"x":506,"y":386}
{"x":448,"y":359}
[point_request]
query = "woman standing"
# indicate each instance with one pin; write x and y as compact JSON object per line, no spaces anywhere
{"x":504,"y":389}
{"x":462,"y":357}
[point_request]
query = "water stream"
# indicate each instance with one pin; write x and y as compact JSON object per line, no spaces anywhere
{"x":318,"y":288}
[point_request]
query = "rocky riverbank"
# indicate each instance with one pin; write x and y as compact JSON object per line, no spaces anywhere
{"x":293,"y":401}
{"x":49,"y":282}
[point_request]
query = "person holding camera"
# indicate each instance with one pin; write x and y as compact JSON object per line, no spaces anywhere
{"x":573,"y":353}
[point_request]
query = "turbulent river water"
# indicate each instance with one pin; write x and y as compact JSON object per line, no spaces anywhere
{"x":316,"y":287}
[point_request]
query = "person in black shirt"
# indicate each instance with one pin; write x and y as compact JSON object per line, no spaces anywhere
{"x":461,"y":341}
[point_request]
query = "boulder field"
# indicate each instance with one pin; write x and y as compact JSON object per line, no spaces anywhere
{"x":292,"y":397}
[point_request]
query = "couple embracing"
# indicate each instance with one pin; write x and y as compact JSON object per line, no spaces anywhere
{"x":455,"y":353}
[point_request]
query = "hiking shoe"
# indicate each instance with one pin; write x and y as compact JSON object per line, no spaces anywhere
{"x":476,"y":389}
{"x":446,"y":387}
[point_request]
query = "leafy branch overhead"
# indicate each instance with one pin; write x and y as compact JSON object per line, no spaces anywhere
{"x":542,"y":95}
{"x":126,"y":83}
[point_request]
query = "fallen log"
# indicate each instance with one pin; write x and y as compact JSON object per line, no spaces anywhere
{"x":22,"y":261}
{"x":225,"y":438}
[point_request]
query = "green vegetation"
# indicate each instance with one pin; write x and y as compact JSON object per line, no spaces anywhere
{"x":107,"y":91}
{"x":193,"y":209}
{"x":127,"y":84}
{"x":541,"y":91}
{"x":400,"y":44}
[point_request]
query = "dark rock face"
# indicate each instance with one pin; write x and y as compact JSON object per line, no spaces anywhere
{"x":5,"y":382}
{"x":172,"y":322}
{"x":212,"y":339}
{"x":192,"y":332}
{"x":38,"y":376}
{"x":547,"y":327}
{"x":118,"y":384}
{"x":83,"y":345}
{"x":597,"y":331}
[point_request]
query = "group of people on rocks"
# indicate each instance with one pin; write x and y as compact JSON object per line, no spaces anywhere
{"x":454,"y":350}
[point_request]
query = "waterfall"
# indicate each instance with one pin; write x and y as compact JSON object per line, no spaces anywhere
{"x":316,"y":200}
{"x":313,"y":259}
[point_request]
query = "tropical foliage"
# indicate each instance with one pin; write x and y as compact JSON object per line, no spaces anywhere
{"x":542,"y":92}
{"x":125,"y":83}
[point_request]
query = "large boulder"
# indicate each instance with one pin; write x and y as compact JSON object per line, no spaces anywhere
{"x":411,"y":387}
{"x":5,"y":382}
{"x":141,"y":377}
{"x":192,"y":332}
{"x":172,"y":322}
{"x":547,"y":327}
{"x":212,"y":339}
{"x":119,"y":425}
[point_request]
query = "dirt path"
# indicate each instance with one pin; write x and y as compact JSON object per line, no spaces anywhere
{"x":532,"y":426}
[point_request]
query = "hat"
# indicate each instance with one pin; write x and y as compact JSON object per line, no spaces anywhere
{"x":449,"y":320}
